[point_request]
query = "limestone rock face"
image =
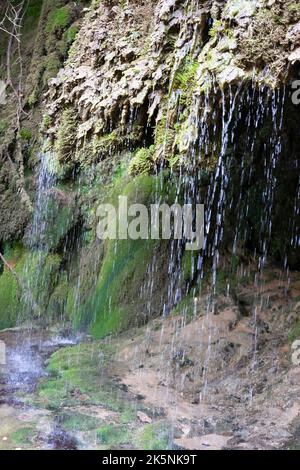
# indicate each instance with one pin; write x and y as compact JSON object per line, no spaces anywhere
{"x":295,"y":56}
{"x":129,"y":63}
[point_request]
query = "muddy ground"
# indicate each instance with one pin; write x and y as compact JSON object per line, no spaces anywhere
{"x":216,"y":374}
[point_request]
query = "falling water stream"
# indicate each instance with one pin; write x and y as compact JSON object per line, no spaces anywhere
{"x":29,"y":347}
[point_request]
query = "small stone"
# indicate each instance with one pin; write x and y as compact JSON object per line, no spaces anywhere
{"x":143,"y":417}
{"x":295,"y":56}
{"x":186,"y":430}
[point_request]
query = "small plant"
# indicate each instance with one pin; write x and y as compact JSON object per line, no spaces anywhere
{"x":215,"y":28}
{"x":58,"y":20}
{"x":66,"y":136}
{"x":70,"y":34}
{"x":294,"y":332}
{"x":142,"y":162}
{"x":154,"y":437}
{"x":112,"y":435}
{"x":46,"y":121}
{"x":51,"y":67}
{"x":3,"y":127}
{"x":186,"y":74}
{"x":25,"y":134}
{"x":23,"y":436}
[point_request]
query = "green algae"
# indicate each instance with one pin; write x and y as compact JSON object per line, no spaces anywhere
{"x":9,"y":288}
{"x":154,"y":436}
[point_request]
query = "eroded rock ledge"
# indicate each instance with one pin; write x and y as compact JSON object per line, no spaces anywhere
{"x":135,"y":71}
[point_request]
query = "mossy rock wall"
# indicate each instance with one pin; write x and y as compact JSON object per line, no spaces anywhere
{"x":132,"y":283}
{"x":25,"y":292}
{"x":9,"y":289}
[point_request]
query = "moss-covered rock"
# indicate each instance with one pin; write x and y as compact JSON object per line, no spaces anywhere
{"x":65,"y":142}
{"x":9,"y":288}
{"x":75,"y":379}
{"x":60,"y":215}
{"x":154,"y":437}
{"x":58,"y":300}
{"x":142,"y":162}
{"x":26,"y":293}
{"x":39,"y":277}
{"x":58,"y":19}
{"x":94,"y":297}
{"x":23,"y":436}
{"x":112,"y":436}
{"x":294,"y":333}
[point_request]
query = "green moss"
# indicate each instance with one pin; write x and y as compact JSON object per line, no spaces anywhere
{"x":185,"y":75}
{"x":76,"y":378}
{"x":106,"y":143}
{"x":111,"y":309}
{"x":186,"y":306}
{"x":294,"y":333}
{"x":71,"y":34}
{"x":142,"y":162}
{"x":9,"y":289}
{"x":74,"y":368}
{"x":79,"y":422}
{"x":154,"y":437}
{"x":101,"y":145}
{"x":114,"y":309}
{"x":32,"y":15}
{"x":111,"y":435}
{"x":25,"y":134}
{"x":128,"y":415}
{"x":95,"y":300}
{"x":3,"y":127}
{"x":23,"y":436}
{"x":58,"y":19}
{"x":46,"y":122}
{"x":65,"y":143}
{"x":53,"y":393}
{"x":165,"y":138}
{"x":60,"y":219}
{"x":189,"y":265}
{"x":33,"y":98}
{"x":121,"y":170}
{"x":39,"y":275}
{"x":73,"y":304}
{"x":51,"y":67}
{"x":58,"y":300}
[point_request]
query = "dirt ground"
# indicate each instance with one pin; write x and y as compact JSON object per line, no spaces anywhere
{"x":225,"y":376}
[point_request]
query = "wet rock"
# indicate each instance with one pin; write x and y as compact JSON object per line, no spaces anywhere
{"x":60,"y":440}
{"x":296,"y":353}
{"x":293,"y":34}
{"x":294,"y":56}
{"x":208,"y":442}
{"x":231,"y":74}
{"x":143,"y":417}
{"x":180,"y":357}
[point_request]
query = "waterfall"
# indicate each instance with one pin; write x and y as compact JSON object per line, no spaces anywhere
{"x":40,"y":224}
{"x":37,"y":241}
